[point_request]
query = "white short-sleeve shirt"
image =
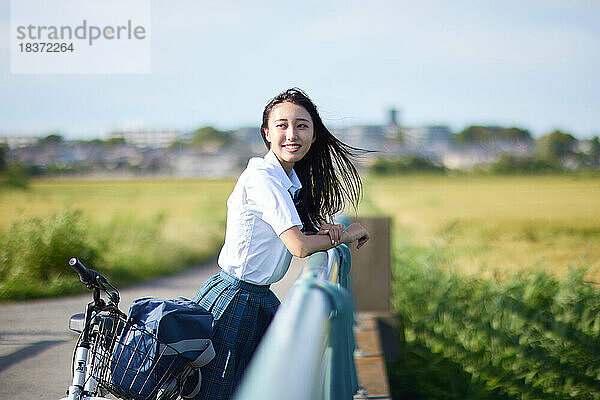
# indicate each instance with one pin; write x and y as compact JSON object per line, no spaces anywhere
{"x":259,"y":209}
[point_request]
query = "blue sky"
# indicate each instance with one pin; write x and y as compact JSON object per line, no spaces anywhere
{"x":532,"y":64}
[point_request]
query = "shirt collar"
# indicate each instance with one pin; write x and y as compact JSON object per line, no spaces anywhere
{"x":291,"y":182}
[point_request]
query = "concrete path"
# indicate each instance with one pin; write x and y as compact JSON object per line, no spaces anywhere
{"x":36,"y":346}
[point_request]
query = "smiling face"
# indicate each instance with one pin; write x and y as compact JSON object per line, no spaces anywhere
{"x":290,"y":132}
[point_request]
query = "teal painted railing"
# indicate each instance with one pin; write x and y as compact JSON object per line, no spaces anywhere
{"x":307,"y":352}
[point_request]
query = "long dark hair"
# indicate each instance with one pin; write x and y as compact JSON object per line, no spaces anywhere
{"x":328,"y":177}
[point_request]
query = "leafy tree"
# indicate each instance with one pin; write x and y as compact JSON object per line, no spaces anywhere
{"x":482,"y":134}
{"x":12,"y":175}
{"x":210,"y":136}
{"x":510,"y":164}
{"x":472,"y":134}
{"x":515,"y":134}
{"x":52,"y":139}
{"x":555,"y":146}
{"x":410,"y":164}
{"x":177,"y":144}
{"x":594,"y":153}
{"x":15,"y":176}
{"x":3,"y":151}
{"x":115,"y":141}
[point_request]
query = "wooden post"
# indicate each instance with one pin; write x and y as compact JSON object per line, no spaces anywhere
{"x":371,"y":267}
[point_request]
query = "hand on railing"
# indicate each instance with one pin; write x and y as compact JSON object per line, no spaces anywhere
{"x":355,"y":232}
{"x":334,"y":231}
{"x":337,"y":233}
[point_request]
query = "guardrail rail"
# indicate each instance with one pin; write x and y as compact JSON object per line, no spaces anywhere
{"x":307,"y":352}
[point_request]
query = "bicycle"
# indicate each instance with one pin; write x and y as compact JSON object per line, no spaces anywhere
{"x":115,"y":355}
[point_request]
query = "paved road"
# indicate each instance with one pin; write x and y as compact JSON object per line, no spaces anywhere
{"x":36,"y":347}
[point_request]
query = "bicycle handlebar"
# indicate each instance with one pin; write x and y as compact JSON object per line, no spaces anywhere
{"x":93,"y":280}
{"x":87,"y":276}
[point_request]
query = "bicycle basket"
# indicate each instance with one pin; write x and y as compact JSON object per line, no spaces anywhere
{"x":131,"y":363}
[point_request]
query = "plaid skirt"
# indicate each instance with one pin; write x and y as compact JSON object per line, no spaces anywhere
{"x":241,"y":313}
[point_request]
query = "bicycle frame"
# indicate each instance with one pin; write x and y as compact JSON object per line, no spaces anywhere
{"x":83,"y":385}
{"x":115,"y":355}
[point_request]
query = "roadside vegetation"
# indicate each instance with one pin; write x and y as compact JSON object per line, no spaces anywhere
{"x":130,"y":230}
{"x":495,"y":283}
{"x":12,"y":175}
{"x":529,"y":335}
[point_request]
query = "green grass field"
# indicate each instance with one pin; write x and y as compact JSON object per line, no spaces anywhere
{"x":191,"y":209}
{"x":130,"y":230}
{"x":490,"y":225}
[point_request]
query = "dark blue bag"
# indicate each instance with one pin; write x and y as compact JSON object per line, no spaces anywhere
{"x":163,"y":343}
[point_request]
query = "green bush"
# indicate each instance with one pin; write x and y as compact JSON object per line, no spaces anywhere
{"x":405,"y":165}
{"x":34,"y":253}
{"x":532,"y":336}
{"x":509,"y":164}
{"x":15,"y":176}
{"x":34,"y":256}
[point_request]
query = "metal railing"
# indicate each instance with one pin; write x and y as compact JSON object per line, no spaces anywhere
{"x":307,"y":352}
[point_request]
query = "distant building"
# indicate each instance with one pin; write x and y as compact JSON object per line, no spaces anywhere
{"x":151,"y":151}
{"x":371,"y":137}
{"x":427,"y":134}
{"x":16,"y":142}
{"x":191,"y":163}
{"x":147,"y":139}
{"x":250,"y":139}
{"x":394,"y":116}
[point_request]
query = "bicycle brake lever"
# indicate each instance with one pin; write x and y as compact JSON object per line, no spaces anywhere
{"x":113,"y":297}
{"x":112,"y":293}
{"x":93,"y":280}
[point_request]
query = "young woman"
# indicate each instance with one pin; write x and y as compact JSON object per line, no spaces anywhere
{"x":281,"y":206}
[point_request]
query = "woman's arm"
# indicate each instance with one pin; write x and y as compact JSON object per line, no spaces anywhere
{"x":301,"y":245}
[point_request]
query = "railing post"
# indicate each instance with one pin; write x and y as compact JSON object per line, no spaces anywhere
{"x":373,"y":267}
